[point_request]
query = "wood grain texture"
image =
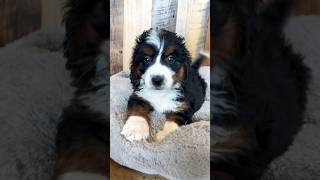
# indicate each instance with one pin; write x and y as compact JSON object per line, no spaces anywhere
{"x":118,"y":172}
{"x":52,"y":12}
{"x":18,"y":18}
{"x":192,"y":23}
{"x":137,"y":18}
{"x":307,"y":7}
{"x":116,"y":36}
{"x":207,"y":42}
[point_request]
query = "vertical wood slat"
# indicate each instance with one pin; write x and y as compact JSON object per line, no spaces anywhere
{"x":137,"y":18}
{"x":116,"y":35}
{"x":192,"y":23}
{"x":307,"y":7}
{"x":207,"y":42}
{"x":18,"y":18}
{"x":52,"y":13}
{"x":3,"y":17}
{"x":164,"y":14}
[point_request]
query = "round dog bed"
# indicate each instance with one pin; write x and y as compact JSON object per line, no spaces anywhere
{"x":35,"y":87}
{"x":184,"y":154}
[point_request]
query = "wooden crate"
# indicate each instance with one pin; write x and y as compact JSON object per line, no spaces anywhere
{"x":307,"y":7}
{"x":52,"y":13}
{"x":18,"y":18}
{"x":129,"y":18}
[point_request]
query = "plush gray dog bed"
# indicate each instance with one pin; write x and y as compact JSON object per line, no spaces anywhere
{"x":302,"y":161}
{"x":34,"y":87}
{"x":182,"y":155}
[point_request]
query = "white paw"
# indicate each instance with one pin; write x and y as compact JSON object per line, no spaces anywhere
{"x":168,"y":128}
{"x":136,"y":129}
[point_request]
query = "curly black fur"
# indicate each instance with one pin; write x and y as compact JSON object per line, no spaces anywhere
{"x":258,"y":89}
{"x":83,"y":138}
{"x":192,"y":87}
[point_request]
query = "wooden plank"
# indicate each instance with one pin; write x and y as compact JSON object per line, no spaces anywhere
{"x":52,"y":13}
{"x":116,"y":36}
{"x":189,"y":18}
{"x":137,"y":18}
{"x":2,"y":23}
{"x":207,"y":42}
{"x":192,"y":23}
{"x":18,"y":18}
{"x":307,"y":7}
{"x":164,"y":14}
{"x":118,"y":172}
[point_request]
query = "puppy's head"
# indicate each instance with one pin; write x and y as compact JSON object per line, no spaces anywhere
{"x":87,"y":32}
{"x":236,"y":22}
{"x":160,"y":60}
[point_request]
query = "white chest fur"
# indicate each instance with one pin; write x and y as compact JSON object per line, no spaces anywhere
{"x":161,"y":100}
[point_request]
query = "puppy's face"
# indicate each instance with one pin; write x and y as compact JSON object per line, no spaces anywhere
{"x":160,"y":60}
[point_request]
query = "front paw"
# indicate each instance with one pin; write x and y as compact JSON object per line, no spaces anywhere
{"x":136,"y":129}
{"x":168,"y":128}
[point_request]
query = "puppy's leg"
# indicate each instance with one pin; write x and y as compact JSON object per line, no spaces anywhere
{"x":173,"y":122}
{"x":136,"y":127}
{"x":81,"y":148}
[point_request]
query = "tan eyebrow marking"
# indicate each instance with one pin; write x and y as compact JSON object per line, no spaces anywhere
{"x":148,"y":51}
{"x":169,"y":50}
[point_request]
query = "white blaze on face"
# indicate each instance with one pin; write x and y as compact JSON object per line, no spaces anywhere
{"x":158,"y":69}
{"x":163,"y":100}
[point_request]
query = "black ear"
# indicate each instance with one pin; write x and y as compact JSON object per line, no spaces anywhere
{"x":86,"y":28}
{"x":135,"y":76}
{"x":221,"y":11}
{"x":274,"y":10}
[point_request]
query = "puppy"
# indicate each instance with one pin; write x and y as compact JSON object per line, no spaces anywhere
{"x":163,"y":80}
{"x":83,"y":134}
{"x":258,"y":89}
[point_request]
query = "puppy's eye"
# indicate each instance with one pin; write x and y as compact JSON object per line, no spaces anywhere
{"x":171,"y":59}
{"x":147,"y":59}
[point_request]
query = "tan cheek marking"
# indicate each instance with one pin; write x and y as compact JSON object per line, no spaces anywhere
{"x":179,"y":75}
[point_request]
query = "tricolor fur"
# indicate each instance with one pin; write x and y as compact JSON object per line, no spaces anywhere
{"x":163,"y":80}
{"x":83,"y":134}
{"x":258,"y":89}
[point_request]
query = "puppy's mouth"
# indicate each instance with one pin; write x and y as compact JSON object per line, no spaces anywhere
{"x":157,"y":88}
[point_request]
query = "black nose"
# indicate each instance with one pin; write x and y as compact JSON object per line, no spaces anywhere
{"x":157,"y":80}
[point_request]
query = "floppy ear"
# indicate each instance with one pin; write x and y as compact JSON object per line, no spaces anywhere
{"x":186,"y":72}
{"x":221,"y":12}
{"x":229,"y":33}
{"x":86,"y":28}
{"x":135,"y":75}
{"x":274,"y":10}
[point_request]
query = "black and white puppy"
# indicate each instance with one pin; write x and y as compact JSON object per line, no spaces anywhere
{"x":83,"y":134}
{"x":163,"y":80}
{"x":258,"y":90}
